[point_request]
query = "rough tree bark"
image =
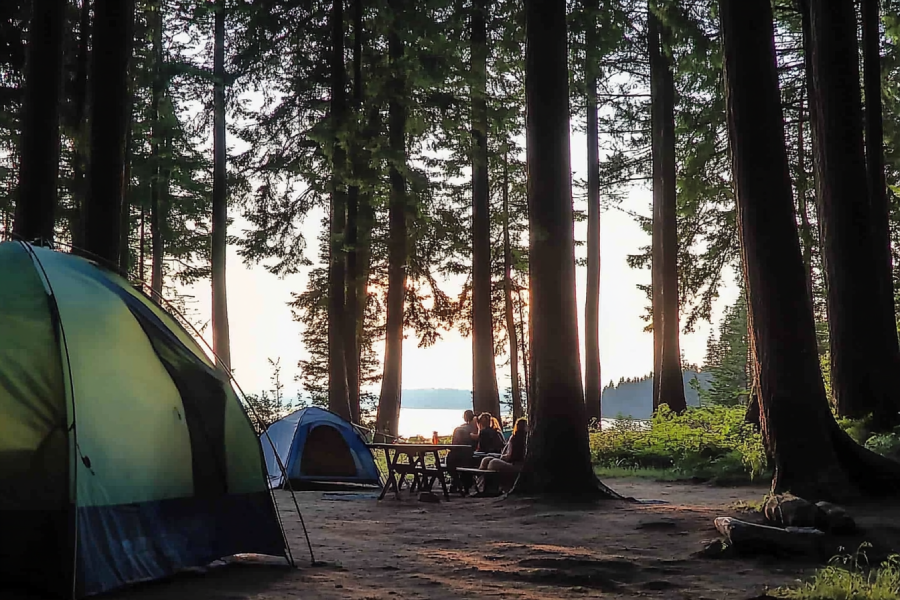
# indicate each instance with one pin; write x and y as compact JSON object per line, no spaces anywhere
{"x":158,"y":205}
{"x":813,"y":458}
{"x":558,"y":457}
{"x":355,"y":298}
{"x":110,"y":57}
{"x":592,"y":377}
{"x":220,"y":329}
{"x":485,"y":396}
{"x":864,"y":348}
{"x":654,"y":53}
{"x":878,"y":199}
{"x":338,"y":394}
{"x":511,"y":334}
{"x":668,"y":381}
{"x":389,"y":402}
{"x":526,"y":354}
{"x":39,"y":146}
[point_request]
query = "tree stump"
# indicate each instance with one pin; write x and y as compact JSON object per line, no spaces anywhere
{"x":835,"y":519}
{"x":787,"y":510}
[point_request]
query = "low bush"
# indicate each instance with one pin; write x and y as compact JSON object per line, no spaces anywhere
{"x":857,"y":429}
{"x":849,"y":578}
{"x":887,"y":444}
{"x":710,"y":442}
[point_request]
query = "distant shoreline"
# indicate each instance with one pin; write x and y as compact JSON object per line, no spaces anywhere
{"x":629,"y":399}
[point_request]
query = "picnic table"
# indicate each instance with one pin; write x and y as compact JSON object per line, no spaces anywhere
{"x":424,"y":476}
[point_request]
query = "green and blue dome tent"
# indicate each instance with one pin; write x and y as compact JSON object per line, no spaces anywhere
{"x":125,"y":454}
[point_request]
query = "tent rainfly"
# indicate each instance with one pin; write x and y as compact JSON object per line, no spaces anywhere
{"x":125,"y":454}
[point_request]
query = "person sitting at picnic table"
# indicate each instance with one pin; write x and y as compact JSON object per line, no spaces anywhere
{"x":490,"y":438}
{"x":510,"y":462}
{"x":464,"y":435}
{"x":514,"y":452}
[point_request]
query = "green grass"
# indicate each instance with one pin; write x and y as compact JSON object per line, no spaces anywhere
{"x":849,"y":578}
{"x":638,"y":473}
{"x":749,"y":506}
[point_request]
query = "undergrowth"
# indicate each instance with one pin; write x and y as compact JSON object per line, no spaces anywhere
{"x":887,"y":444}
{"x":654,"y":474}
{"x":709,"y":442}
{"x":848,"y":577}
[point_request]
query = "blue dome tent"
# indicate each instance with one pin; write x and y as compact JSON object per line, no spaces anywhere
{"x":315,"y":445}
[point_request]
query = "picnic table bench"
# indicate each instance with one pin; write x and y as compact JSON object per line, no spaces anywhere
{"x":424,"y":476}
{"x":489,"y":478}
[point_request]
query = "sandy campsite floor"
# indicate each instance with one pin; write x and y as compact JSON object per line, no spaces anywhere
{"x":492,"y":548}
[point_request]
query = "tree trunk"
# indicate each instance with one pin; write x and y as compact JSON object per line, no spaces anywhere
{"x":592,"y":377}
{"x":558,"y":458}
{"x":338,"y":395}
{"x":352,"y":303}
{"x":110,"y":57}
{"x":220,"y":328}
{"x":526,"y":355}
{"x":667,"y":376}
{"x":511,"y":333}
{"x":125,"y":214}
{"x":353,"y":300}
{"x":752,"y":416}
{"x":79,"y":151}
{"x":484,"y":375}
{"x":365,"y":221}
{"x":158,"y":214}
{"x":80,"y":126}
{"x":39,"y":146}
{"x":656,"y":237}
{"x":874,"y":144}
{"x":141,"y":247}
{"x":822,"y":463}
{"x":864,"y":349}
{"x":389,"y":402}
{"x":806,"y":239}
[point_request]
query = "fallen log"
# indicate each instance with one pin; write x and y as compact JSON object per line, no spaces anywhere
{"x":749,"y":538}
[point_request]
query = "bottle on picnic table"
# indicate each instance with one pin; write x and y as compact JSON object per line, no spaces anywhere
{"x":434,"y":438}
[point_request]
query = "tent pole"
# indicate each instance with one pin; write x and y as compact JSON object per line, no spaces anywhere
{"x":54,"y":307}
{"x":256,"y":414}
{"x":184,"y":322}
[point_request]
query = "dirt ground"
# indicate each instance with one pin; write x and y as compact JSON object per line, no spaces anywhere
{"x":494,"y":548}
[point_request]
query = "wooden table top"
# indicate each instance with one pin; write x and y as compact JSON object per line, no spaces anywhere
{"x":419,"y":447}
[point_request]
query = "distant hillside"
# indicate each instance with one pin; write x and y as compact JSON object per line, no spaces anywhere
{"x":630,"y":398}
{"x":634,"y":399}
{"x":438,"y":399}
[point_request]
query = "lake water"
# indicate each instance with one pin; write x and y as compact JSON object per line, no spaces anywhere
{"x":423,"y":421}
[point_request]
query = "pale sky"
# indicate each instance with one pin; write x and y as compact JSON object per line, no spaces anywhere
{"x":262,"y":327}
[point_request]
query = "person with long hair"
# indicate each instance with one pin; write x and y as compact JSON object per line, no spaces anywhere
{"x":490,"y":437}
{"x":512,"y":457}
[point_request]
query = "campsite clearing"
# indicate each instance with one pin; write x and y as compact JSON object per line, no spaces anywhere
{"x":494,"y":548}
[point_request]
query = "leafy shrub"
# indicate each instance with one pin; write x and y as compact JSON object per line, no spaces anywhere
{"x":848,"y":578}
{"x":711,"y":442}
{"x":857,"y":429}
{"x":887,"y":444}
